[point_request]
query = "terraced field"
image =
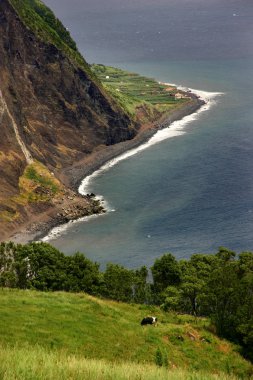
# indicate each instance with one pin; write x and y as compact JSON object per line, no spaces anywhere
{"x":135,"y":90}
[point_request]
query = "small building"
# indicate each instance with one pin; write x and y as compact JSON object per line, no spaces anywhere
{"x":179,"y":95}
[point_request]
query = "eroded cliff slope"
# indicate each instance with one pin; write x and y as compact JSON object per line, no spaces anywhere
{"x":53,"y":110}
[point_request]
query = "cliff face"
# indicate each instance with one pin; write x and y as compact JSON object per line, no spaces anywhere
{"x":52,"y":109}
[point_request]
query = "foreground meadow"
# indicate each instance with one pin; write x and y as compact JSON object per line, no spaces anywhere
{"x":76,"y":336}
{"x":37,"y":363}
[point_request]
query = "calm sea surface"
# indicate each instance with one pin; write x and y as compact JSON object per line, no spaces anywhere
{"x":193,"y":192}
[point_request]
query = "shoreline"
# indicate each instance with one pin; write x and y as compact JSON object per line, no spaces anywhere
{"x":76,"y":174}
{"x":98,"y":158}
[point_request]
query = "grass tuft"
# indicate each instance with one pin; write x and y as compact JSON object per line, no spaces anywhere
{"x":42,"y":177}
{"x":30,"y":363}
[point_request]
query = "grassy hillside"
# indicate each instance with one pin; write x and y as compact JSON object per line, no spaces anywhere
{"x":56,"y":326}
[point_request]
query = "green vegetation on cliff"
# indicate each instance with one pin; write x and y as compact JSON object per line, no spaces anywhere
{"x":36,"y":184}
{"x":47,"y":24}
{"x":42,"y":21}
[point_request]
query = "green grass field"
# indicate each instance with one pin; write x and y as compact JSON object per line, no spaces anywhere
{"x":39,"y":329}
{"x":132,"y":90}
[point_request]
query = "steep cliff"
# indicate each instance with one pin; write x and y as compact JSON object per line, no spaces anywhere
{"x":53,"y":109}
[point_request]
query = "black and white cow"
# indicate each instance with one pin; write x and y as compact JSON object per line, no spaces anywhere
{"x":149,"y":321}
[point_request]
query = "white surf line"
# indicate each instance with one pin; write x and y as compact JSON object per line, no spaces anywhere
{"x":174,"y":129}
{"x":60,"y":230}
{"x":4,"y":108}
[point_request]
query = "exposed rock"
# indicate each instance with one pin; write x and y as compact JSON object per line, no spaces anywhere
{"x":51,"y":109}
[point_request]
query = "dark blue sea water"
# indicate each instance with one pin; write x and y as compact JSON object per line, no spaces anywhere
{"x":193,"y":192}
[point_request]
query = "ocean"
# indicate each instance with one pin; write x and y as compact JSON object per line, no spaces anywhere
{"x":190,"y":190}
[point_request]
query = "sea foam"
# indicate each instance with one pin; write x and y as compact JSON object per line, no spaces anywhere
{"x":177,"y":128}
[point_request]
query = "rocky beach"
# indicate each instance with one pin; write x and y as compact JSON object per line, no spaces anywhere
{"x":73,"y":205}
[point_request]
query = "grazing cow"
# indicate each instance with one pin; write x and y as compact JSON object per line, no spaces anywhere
{"x":149,"y":321}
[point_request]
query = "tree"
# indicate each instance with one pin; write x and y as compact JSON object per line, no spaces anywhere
{"x":8,"y":275}
{"x":245,"y":263}
{"x":119,"y":283}
{"x":195,"y":273}
{"x":46,"y":266}
{"x":244,"y":315}
{"x":221,"y":292}
{"x":166,"y":272}
{"x":172,"y":299}
{"x":141,"y":289}
{"x":82,"y":274}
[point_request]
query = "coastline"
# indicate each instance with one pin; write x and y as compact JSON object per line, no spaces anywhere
{"x":74,"y":176}
{"x":99,"y":157}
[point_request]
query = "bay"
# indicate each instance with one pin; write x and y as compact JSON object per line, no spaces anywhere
{"x":193,"y":192}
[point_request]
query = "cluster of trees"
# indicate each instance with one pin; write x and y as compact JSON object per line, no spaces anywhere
{"x":42,"y":267}
{"x":219,"y":286}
